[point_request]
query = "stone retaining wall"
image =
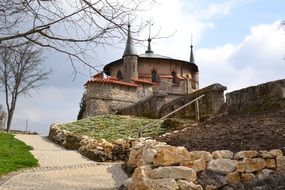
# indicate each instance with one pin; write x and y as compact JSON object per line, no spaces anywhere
{"x":262,"y":97}
{"x":95,"y":149}
{"x":148,"y":107}
{"x":160,"y":166}
{"x":209,"y":105}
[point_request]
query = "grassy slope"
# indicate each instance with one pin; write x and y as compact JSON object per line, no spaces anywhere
{"x":14,"y":154}
{"x":112,"y":127}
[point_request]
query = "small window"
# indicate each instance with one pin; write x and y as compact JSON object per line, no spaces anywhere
{"x":154,"y":77}
{"x":175,"y":79}
{"x":120,"y":75}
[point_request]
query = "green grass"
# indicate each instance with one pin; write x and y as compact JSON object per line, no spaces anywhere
{"x":112,"y":127}
{"x":14,"y":154}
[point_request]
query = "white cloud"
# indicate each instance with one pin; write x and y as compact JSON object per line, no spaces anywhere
{"x":183,"y":18}
{"x":257,"y":59}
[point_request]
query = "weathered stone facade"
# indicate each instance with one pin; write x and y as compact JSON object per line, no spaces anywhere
{"x":262,"y":97}
{"x":105,"y":98}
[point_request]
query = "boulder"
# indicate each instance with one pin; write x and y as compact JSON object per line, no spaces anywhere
{"x":195,"y":155}
{"x":222,"y":154}
{"x":250,"y":165}
{"x":197,"y":165}
{"x":188,"y":185}
{"x":271,"y":154}
{"x":222,"y":165}
{"x":246,"y":154}
{"x":280,"y":160}
{"x":175,"y":172}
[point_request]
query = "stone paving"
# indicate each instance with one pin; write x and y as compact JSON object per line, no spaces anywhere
{"x":62,"y":169}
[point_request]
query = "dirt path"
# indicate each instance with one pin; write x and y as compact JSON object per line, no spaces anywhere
{"x":63,"y":169}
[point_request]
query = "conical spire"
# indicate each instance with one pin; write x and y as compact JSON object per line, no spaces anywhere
{"x":130,"y":49}
{"x":149,"y":47}
{"x":192,"y":60}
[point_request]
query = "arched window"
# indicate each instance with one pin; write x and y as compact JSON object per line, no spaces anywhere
{"x":120,"y":75}
{"x":154,"y":77}
{"x":175,"y":79}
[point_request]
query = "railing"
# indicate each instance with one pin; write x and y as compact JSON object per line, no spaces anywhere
{"x":197,"y":113}
{"x":196,"y":107}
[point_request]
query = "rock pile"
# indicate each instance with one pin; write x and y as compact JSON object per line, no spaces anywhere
{"x":160,"y":166}
{"x":95,"y":149}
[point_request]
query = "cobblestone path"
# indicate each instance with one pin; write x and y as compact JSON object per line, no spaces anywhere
{"x":62,"y":169}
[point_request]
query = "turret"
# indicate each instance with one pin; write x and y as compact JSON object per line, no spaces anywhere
{"x":130,"y":59}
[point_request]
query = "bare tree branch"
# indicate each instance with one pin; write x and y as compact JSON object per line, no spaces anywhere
{"x":21,"y":70}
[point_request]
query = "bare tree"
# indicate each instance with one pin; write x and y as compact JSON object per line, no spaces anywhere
{"x":72,"y":27}
{"x":20,"y":71}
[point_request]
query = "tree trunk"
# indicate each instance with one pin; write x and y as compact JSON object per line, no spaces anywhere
{"x":9,"y":120}
{"x":10,"y":115}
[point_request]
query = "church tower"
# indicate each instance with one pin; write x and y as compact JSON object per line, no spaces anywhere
{"x":130,"y":59}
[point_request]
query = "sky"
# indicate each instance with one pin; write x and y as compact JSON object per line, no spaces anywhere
{"x":237,"y":43}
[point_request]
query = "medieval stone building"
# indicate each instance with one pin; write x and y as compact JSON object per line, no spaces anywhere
{"x":135,"y":77}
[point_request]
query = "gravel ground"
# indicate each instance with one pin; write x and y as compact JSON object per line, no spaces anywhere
{"x":62,"y":169}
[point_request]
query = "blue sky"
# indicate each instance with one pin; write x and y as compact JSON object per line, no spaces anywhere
{"x":237,"y":43}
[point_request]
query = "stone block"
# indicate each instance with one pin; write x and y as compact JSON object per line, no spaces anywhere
{"x":175,"y":172}
{"x":195,"y":155}
{"x":188,"y":185}
{"x":246,"y":154}
{"x":148,"y":155}
{"x":280,"y":160}
{"x":170,"y":156}
{"x":271,"y":154}
{"x":222,"y":165}
{"x":247,"y":177}
{"x":250,"y":165}
{"x":222,"y":154}
{"x":197,"y":165}
{"x":120,"y":142}
{"x":264,"y":173}
{"x":159,"y":184}
{"x":233,"y":178}
{"x":270,"y":163}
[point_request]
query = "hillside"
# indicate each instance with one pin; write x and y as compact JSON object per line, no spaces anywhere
{"x":112,"y":127}
{"x":260,"y":131}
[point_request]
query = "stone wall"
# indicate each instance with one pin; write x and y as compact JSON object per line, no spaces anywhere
{"x":160,"y":166}
{"x":210,"y":104}
{"x":148,"y":107}
{"x":95,"y":149}
{"x":262,"y":97}
{"x":107,"y":98}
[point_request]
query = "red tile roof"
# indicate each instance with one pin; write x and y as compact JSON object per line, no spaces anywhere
{"x":142,"y":81}
{"x":110,"y":80}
